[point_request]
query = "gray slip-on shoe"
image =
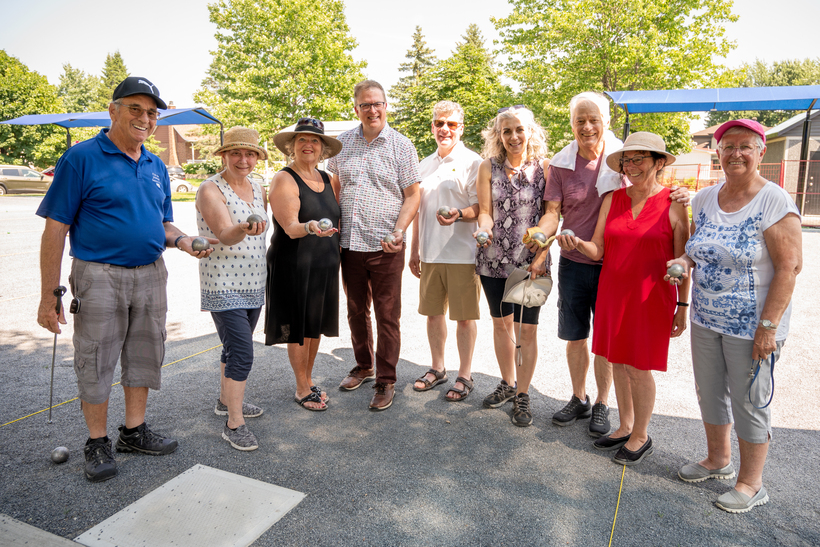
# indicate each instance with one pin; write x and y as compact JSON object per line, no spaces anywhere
{"x":695,"y":472}
{"x":738,"y":502}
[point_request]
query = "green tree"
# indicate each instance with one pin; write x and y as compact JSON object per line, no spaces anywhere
{"x":467,"y":77}
{"x":22,"y":92}
{"x":113,"y":73}
{"x":779,"y":73}
{"x":558,"y":48}
{"x":420,"y":59}
{"x":77,"y":89}
{"x":278,"y":60}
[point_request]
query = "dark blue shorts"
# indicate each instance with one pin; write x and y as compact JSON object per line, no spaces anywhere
{"x":577,"y":292}
{"x":494,"y":291}
{"x":235,"y":329}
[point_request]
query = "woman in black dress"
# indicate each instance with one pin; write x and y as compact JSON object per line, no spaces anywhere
{"x":303,"y":260}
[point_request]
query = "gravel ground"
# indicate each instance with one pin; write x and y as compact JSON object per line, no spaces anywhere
{"x":424,"y":472}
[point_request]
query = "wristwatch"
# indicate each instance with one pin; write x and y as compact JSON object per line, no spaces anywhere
{"x":460,"y":215}
{"x":768,"y":325}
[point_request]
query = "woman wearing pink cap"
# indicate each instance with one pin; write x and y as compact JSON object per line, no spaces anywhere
{"x":744,"y":256}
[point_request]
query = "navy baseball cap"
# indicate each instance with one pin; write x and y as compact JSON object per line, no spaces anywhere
{"x":135,"y":85}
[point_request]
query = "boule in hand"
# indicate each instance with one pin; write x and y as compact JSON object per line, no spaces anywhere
{"x":675,"y":270}
{"x":325,"y":224}
{"x":540,"y":237}
{"x":200,"y":244}
{"x":444,"y":211}
{"x":568,"y":232}
{"x":482,"y":237}
{"x":388,"y":239}
{"x":253,"y":219}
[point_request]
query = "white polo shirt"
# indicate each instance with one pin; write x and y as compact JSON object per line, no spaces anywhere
{"x":450,"y":182}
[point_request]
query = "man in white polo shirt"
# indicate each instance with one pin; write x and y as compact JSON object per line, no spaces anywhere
{"x":442,"y":251}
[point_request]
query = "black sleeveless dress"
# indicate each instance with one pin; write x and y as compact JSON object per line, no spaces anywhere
{"x":302,"y":294}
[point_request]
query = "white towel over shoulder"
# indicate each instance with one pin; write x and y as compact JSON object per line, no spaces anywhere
{"x":608,"y":180}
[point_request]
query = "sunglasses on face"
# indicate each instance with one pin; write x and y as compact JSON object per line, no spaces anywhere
{"x":504,"y":109}
{"x":311,"y":121}
{"x":137,"y":111}
{"x":452,"y":125}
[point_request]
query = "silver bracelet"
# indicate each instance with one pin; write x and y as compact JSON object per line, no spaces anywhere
{"x":307,"y":227}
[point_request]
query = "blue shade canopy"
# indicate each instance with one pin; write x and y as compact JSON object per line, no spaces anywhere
{"x":174,"y":116}
{"x":705,"y":100}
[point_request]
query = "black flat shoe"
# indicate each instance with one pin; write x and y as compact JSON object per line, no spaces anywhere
{"x":610,"y":443}
{"x":624,"y":456}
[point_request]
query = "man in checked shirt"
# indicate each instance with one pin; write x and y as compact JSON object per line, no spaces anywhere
{"x":376,"y":178}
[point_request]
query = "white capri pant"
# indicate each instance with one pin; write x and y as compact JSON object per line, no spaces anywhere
{"x":724,"y":369}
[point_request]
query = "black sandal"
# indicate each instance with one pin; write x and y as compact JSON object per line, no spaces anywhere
{"x":312,"y":398}
{"x":468,"y":387}
{"x":441,"y":377}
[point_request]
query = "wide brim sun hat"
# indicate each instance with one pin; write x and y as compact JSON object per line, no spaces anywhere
{"x":636,"y":142}
{"x":310,"y":126}
{"x":243,"y":138}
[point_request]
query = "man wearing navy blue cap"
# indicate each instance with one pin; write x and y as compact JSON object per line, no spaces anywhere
{"x":113,"y":199}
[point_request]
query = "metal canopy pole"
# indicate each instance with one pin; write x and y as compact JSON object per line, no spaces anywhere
{"x":803,"y":172}
{"x":626,"y":123}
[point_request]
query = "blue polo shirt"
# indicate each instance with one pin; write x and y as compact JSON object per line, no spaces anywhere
{"x":115,"y":206}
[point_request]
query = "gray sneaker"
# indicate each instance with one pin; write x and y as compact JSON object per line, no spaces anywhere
{"x":248,"y":410}
{"x":240,"y":438}
{"x":599,"y":422}
{"x":574,"y":410}
{"x":695,"y":472}
{"x":503,"y":393}
{"x":521,"y":414}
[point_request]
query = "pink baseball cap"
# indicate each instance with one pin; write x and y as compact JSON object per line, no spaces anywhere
{"x":748,"y":124}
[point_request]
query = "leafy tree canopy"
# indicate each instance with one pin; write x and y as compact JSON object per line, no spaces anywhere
{"x":22,"y":92}
{"x":278,"y":60}
{"x":558,"y":48}
{"x":113,"y":73}
{"x":467,"y":77}
{"x":77,"y":89}
{"x":779,"y":73}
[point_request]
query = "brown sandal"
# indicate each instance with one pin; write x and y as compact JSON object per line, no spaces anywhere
{"x":468,"y":387}
{"x":441,"y":377}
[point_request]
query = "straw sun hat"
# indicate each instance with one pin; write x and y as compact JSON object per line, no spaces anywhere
{"x":310,"y":126}
{"x":636,"y":142}
{"x":244,"y":138}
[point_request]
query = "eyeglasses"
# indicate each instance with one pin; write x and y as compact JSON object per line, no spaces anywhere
{"x":452,"y":125}
{"x":500,"y":110}
{"x":372,"y":106}
{"x":634,"y":160}
{"x":745,"y":149}
{"x":137,"y":110}
{"x":311,"y":121}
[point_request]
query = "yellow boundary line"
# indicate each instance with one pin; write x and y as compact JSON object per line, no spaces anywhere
{"x":19,"y":297}
{"x":18,"y":254}
{"x":615,"y":518}
{"x":112,"y":385}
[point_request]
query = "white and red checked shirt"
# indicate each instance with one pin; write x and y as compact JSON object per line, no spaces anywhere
{"x":373,"y":177}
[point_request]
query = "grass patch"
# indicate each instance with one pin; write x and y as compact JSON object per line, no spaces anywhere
{"x":183,"y":196}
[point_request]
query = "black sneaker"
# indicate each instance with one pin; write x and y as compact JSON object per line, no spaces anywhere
{"x":503,"y":393}
{"x":521,"y":414}
{"x":599,"y":423}
{"x":574,"y":410}
{"x":146,"y":441}
{"x":99,"y":460}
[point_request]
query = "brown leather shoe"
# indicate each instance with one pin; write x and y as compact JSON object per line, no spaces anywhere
{"x":383,"y":397}
{"x":356,"y":377}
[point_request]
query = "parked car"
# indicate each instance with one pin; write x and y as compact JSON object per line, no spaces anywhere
{"x":22,"y":180}
{"x":49,"y":171}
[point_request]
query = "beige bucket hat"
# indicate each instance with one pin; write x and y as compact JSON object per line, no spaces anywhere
{"x":638,"y":141}
{"x":245,"y":138}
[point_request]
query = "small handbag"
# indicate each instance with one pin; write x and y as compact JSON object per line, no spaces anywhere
{"x":521,"y":289}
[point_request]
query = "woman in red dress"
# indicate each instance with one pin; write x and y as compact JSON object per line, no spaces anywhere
{"x":638,"y":231}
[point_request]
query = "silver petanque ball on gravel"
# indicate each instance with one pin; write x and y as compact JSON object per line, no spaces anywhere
{"x":200,"y":244}
{"x":59,"y":454}
{"x":567,"y":232}
{"x":482,"y":237}
{"x":675,"y":270}
{"x":325,"y":224}
{"x":444,"y":211}
{"x":540,"y":237}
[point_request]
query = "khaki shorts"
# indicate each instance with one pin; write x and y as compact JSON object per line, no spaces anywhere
{"x":121,"y":317}
{"x":449,"y":285}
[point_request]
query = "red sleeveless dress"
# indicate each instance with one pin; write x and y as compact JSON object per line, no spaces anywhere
{"x":635,"y":307}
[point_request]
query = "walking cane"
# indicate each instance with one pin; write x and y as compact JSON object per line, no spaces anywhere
{"x":58,"y":292}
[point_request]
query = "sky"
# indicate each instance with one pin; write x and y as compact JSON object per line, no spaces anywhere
{"x":169,"y":41}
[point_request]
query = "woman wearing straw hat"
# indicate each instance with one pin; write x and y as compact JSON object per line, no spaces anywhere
{"x":638,"y":231}
{"x":223,"y":203}
{"x":303,"y":259}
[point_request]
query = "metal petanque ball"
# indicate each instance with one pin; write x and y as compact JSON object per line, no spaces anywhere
{"x":200,"y":244}
{"x":568,"y":232}
{"x":388,"y":239}
{"x":444,"y":211}
{"x":540,"y":237}
{"x":482,"y":237}
{"x":59,"y":454}
{"x":325,"y":224}
{"x":254,"y":218}
{"x":675,"y":270}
